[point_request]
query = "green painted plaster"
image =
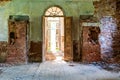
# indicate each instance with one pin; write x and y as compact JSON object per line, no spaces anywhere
{"x":35,"y":10}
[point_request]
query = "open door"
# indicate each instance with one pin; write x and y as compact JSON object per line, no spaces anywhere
{"x":68,"y":51}
{"x":43,"y":36}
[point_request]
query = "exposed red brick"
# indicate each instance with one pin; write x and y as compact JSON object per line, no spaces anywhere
{"x":91,"y":47}
{"x":3,"y":51}
{"x":35,"y":54}
{"x":17,"y":51}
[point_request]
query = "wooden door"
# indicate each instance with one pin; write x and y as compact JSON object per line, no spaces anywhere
{"x":68,"y":52}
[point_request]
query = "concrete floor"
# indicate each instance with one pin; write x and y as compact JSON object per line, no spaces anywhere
{"x":57,"y":70}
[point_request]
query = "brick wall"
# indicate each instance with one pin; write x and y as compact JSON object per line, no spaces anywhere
{"x":90,"y":47}
{"x":3,"y":51}
{"x":35,"y":54}
{"x":108,"y":29}
{"x":116,"y":37}
{"x":108,"y":12}
{"x":76,"y":51}
{"x":17,"y":49}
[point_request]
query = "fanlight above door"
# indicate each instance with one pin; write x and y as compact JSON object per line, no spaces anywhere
{"x":54,"y":11}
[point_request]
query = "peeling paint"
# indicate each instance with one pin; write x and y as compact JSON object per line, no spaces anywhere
{"x":35,"y":10}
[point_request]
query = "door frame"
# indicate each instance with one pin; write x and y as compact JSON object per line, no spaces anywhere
{"x":43,"y":35}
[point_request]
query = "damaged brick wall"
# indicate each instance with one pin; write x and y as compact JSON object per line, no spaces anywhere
{"x":104,"y":8}
{"x":89,"y":42}
{"x":35,"y":54}
{"x":108,"y":28}
{"x":3,"y":2}
{"x":116,"y":36}
{"x":17,"y":47}
{"x":91,"y":47}
{"x":108,"y":13}
{"x":3,"y":51}
{"x":76,"y":51}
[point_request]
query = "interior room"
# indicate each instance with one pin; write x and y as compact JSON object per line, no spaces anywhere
{"x":60,"y":39}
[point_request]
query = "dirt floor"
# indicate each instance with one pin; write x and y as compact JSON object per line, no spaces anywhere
{"x":58,"y":70}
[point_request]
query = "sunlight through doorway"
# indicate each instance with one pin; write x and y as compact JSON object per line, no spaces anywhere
{"x":54,"y":34}
{"x":54,"y":37}
{"x":57,"y":35}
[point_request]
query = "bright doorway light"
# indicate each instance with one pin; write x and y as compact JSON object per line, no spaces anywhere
{"x":54,"y":37}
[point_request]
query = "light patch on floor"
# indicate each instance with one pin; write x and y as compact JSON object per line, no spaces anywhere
{"x":57,"y":70}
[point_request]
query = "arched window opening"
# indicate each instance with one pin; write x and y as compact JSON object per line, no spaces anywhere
{"x":54,"y":11}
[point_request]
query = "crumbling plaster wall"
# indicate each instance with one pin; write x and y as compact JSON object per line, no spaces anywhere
{"x":35,"y":10}
{"x":3,"y":51}
{"x":108,"y":14}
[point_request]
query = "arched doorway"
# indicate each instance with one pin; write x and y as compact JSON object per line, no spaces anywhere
{"x":53,"y":34}
{"x":57,"y":35}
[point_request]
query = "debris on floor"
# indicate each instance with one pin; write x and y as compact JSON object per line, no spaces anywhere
{"x":107,"y":66}
{"x":58,"y":70}
{"x":0,"y":71}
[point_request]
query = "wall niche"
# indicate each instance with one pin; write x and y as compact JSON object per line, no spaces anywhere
{"x":90,"y":47}
{"x":18,"y":46}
